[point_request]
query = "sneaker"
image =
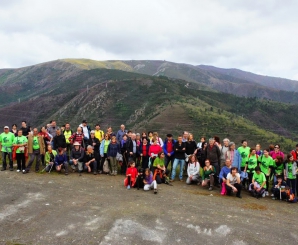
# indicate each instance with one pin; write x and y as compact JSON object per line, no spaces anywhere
{"x":210,"y":188}
{"x":18,"y":170}
{"x":128,"y":187}
{"x":267,"y":193}
{"x":273,"y":198}
{"x":181,"y":180}
{"x":272,"y":195}
{"x":115,"y":173}
{"x":264,"y":194}
{"x":73,"y":167}
{"x":23,"y":171}
{"x":155,"y":191}
{"x":95,"y":173}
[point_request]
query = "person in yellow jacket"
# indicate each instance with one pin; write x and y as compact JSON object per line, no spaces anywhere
{"x":36,"y":148}
{"x":99,"y":134}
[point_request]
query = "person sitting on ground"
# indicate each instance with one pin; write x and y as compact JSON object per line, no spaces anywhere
{"x":208,"y":175}
{"x":278,"y":190}
{"x":258,"y":185}
{"x":61,"y":161}
{"x":149,"y":183}
{"x":193,"y":170}
{"x":233,"y":182}
{"x":131,"y":175}
{"x":50,"y":158}
{"x":224,"y":173}
{"x":77,"y":157}
{"x":90,"y":161}
{"x":160,"y":173}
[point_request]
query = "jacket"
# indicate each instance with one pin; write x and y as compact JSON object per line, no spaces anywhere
{"x":165,"y":147}
{"x":236,"y":159}
{"x":193,"y":169}
{"x":113,"y":149}
{"x":40,"y":141}
{"x":147,"y":149}
{"x":60,"y":159}
{"x":47,"y":157}
{"x":96,"y":141}
{"x":179,"y":152}
{"x":213,"y":154}
{"x":102,"y":147}
{"x":77,"y":154}
{"x":59,"y":141}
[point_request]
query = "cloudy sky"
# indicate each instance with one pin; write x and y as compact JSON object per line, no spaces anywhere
{"x":256,"y":36}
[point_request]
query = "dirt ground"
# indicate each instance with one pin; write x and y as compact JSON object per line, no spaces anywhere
{"x":58,"y":209}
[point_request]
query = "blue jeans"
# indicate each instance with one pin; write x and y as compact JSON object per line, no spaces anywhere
{"x":175,"y":164}
{"x":9,"y":154}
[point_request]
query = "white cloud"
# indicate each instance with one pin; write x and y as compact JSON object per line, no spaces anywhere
{"x":258,"y":36}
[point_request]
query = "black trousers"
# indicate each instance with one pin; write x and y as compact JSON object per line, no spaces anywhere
{"x":21,"y":162}
{"x":237,"y":186}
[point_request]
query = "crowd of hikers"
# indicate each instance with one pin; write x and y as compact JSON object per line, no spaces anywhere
{"x":147,"y":160}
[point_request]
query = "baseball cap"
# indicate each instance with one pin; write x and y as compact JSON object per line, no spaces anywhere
{"x":6,"y":127}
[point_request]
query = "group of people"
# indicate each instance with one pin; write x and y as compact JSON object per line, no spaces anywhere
{"x":147,"y":160}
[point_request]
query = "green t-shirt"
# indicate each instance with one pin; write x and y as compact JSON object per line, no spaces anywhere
{"x":266,"y":163}
{"x":279,"y":169}
{"x":244,"y":152}
{"x":20,"y":140}
{"x":158,"y":161}
{"x":206,"y":173}
{"x":290,"y":171}
{"x":35,"y":145}
{"x":252,"y":163}
{"x":259,"y":178}
{"x":6,"y":141}
{"x":107,"y":142}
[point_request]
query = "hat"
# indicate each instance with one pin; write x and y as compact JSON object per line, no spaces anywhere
{"x":6,"y":127}
{"x":76,"y":143}
{"x":169,"y":135}
{"x":92,"y":132}
{"x":84,"y":121}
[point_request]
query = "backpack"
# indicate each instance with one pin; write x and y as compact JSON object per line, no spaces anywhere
{"x":105,"y":167}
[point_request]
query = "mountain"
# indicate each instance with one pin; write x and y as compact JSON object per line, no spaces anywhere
{"x":72,"y":91}
{"x":245,"y":85}
{"x":267,"y":81}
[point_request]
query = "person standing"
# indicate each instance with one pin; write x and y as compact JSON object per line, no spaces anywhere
{"x":179,"y":150}
{"x":67,"y":134}
{"x":59,"y":140}
{"x":25,"y":129}
{"x":36,"y":148}
{"x":223,"y":152}
{"x":20,"y":142}
{"x":213,"y":154}
{"x":168,"y":149}
{"x":99,"y":134}
{"x":6,"y":142}
{"x":120,"y":133}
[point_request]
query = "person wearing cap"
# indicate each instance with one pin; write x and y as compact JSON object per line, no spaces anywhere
{"x":77,"y":157}
{"x":36,"y":148}
{"x":59,"y":140}
{"x":95,"y":143}
{"x":6,"y":142}
{"x":168,"y":149}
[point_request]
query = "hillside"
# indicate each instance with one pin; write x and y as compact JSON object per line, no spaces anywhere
{"x":59,"y":90}
{"x":214,"y":79}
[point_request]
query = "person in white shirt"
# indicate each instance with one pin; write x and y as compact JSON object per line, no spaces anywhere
{"x":193,"y":170}
{"x":233,"y":183}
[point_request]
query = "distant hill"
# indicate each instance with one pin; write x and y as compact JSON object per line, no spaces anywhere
{"x":72,"y":91}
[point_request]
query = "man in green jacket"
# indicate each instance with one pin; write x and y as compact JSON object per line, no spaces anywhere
{"x":6,"y":142}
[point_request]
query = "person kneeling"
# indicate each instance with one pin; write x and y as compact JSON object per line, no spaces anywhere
{"x":208,"y":175}
{"x":279,"y":189}
{"x":258,"y":185}
{"x":131,"y":175}
{"x":193,"y":170}
{"x":90,"y":162}
{"x":233,"y":183}
{"x":149,"y":183}
{"x":61,"y":161}
{"x":49,"y":158}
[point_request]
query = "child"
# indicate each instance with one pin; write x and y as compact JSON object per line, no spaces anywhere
{"x":193,"y":170}
{"x":208,"y":175}
{"x":149,"y":182}
{"x":131,"y":175}
{"x":278,"y":189}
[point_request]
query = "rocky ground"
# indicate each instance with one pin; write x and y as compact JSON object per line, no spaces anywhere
{"x":57,"y":209}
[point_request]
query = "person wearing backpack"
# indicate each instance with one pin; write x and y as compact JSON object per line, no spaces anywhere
{"x":290,"y":172}
{"x":67,"y":133}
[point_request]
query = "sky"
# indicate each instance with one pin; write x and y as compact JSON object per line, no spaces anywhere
{"x":256,"y":36}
